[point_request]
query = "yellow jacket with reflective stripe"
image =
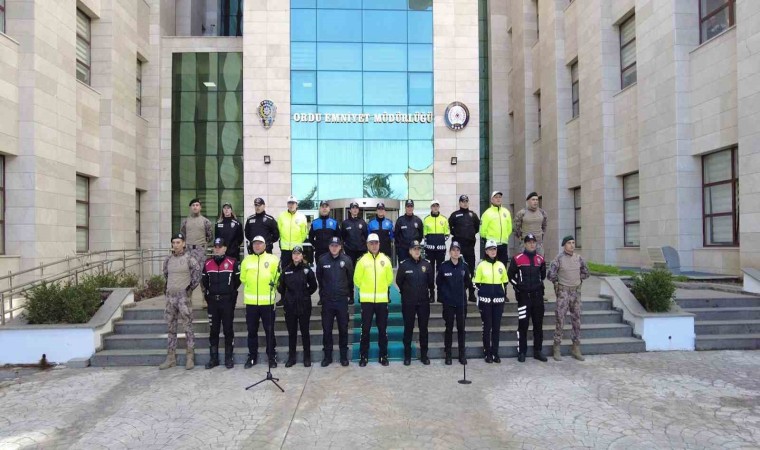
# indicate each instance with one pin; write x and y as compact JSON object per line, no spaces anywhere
{"x":496,"y":224}
{"x":259,"y":274}
{"x":293,"y":229}
{"x":373,"y":276}
{"x":490,"y":273}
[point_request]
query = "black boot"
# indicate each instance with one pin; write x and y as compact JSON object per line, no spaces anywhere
{"x":383,"y":360}
{"x":407,"y":356}
{"x":363,"y":361}
{"x":489,"y":358}
{"x":307,"y":359}
{"x":539,"y":356}
{"x":462,"y":357}
{"x":291,"y":360}
{"x":214,"y":361}
{"x":447,"y":361}
{"x":496,"y":359}
{"x":326,"y":360}
{"x":521,"y":357}
{"x":424,"y":358}
{"x":273,"y":361}
{"x":229,"y":358}
{"x":344,"y":358}
{"x":251,"y":361}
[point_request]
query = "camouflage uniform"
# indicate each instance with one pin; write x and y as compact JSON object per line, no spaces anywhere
{"x":531,"y":221}
{"x":567,"y":272}
{"x":179,"y":286}
{"x":198,"y":232}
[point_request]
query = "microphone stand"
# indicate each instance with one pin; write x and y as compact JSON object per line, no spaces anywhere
{"x":464,"y":379}
{"x":269,"y":376}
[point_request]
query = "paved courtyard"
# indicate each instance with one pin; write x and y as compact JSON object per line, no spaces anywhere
{"x":654,"y":400}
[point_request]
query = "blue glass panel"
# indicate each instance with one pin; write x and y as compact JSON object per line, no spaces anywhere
{"x":339,"y":4}
{"x":383,"y":185}
{"x":384,"y":26}
{"x":332,"y":56}
{"x":304,"y":156}
{"x":420,"y":130}
{"x":385,"y":4}
{"x":420,"y":27}
{"x":303,"y":25}
{"x":303,"y":130}
{"x":305,"y":187}
{"x":303,"y":4}
{"x":339,"y":130}
{"x":340,"y":88}
{"x":383,"y":130}
{"x":340,"y":157}
{"x":385,"y":57}
{"x":339,"y":25}
{"x":420,"y":57}
{"x":385,"y":88}
{"x":302,"y":88}
{"x":303,"y":56}
{"x":340,"y":186}
{"x":421,"y":155}
{"x":421,"y":88}
{"x":386,"y":157}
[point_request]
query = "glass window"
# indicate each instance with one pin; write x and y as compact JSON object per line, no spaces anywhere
{"x":231,"y":18}
{"x":305,"y":152}
{"x":538,"y":106}
{"x":339,"y":88}
{"x":138,"y":244}
{"x":628,"y":52}
{"x":715,"y":17}
{"x":576,"y":89}
{"x":2,"y":205}
{"x":421,"y":156}
{"x":578,"y":223}
{"x":83,"y":47}
{"x":385,"y":26}
{"x":336,"y":130}
{"x":386,"y":157}
{"x":340,"y":186}
{"x":421,"y":130}
{"x":303,"y":56}
{"x":385,"y":57}
{"x":83,"y":214}
{"x":339,"y":4}
{"x":340,"y":157}
{"x":339,"y":25}
{"x":631,"y":210}
{"x":303,"y":4}
{"x":303,"y":26}
{"x":305,"y":187}
{"x":374,"y":130}
{"x":720,"y":198}
{"x":421,"y":186}
{"x":420,"y":58}
{"x":420,"y":27}
{"x":138,"y":88}
{"x":384,"y":185}
{"x":421,"y":88}
{"x":385,"y":88}
{"x":2,"y":16}
{"x":303,"y":129}
{"x":385,"y":4}
{"x":339,"y":56}
{"x":303,"y":88}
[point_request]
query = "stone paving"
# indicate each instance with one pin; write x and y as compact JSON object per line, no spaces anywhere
{"x":649,"y":400}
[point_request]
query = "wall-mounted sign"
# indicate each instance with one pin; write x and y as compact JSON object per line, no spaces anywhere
{"x":418,"y":117}
{"x":267,"y":112}
{"x":457,"y":115}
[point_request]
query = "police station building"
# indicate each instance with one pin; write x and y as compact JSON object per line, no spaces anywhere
{"x":636,"y":121}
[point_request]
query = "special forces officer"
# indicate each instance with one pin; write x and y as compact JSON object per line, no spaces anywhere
{"x":259,"y":273}
{"x":453,"y":280}
{"x":435,"y":231}
{"x":416,"y":282}
{"x":526,"y":273}
{"x":322,"y":230}
{"x":293,"y":228}
{"x":221,"y":280}
{"x":335,"y":274}
{"x":496,"y":225}
{"x":464,"y":225}
{"x":383,"y":228}
{"x":182,"y":273}
{"x":373,"y":277}
{"x":297,"y":284}
{"x":491,"y":281}
{"x":407,"y":230}
{"x":261,"y":224}
{"x":567,"y":272}
{"x":354,"y":234}
{"x":198,"y":231}
{"x":532,"y":219}
{"x":229,"y":229}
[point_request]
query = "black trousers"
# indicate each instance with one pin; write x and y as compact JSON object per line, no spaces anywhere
{"x":450,"y":313}
{"x":422,"y":312}
{"x":265,"y":313}
{"x":355,"y":255}
{"x":502,"y":254}
{"x":530,"y":307}
{"x":294,"y":322}
{"x":286,"y":257}
{"x":468,"y":253}
{"x":436,"y":258}
{"x":490,"y":314}
{"x":380,"y":312}
{"x":331,"y":310}
{"x":221,"y":312}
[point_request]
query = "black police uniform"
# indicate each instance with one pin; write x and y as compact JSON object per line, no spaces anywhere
{"x":416,"y":283}
{"x":464,"y":225}
{"x":297,"y":284}
{"x":220,"y":280}
{"x":262,"y":225}
{"x":526,"y":272}
{"x":322,"y":230}
{"x":354,"y":234}
{"x":453,"y":281}
{"x":383,"y":228}
{"x":407,"y":230}
{"x":231,"y":231}
{"x":335,"y":275}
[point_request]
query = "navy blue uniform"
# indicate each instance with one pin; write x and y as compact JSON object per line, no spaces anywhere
{"x":407,"y":229}
{"x":453,"y":281}
{"x":354,"y":235}
{"x":335,"y":275}
{"x":416,"y":283}
{"x":262,"y":225}
{"x":231,"y":231}
{"x":383,"y":228}
{"x":322,"y":230}
{"x":527,"y":272}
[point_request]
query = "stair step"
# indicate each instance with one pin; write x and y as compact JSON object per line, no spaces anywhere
{"x":728,"y":342}
{"x":726,"y":327}
{"x":727,"y":313}
{"x":720,"y":302}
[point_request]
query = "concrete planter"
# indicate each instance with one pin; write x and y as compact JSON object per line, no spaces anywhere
{"x":62,"y":343}
{"x":673,"y":330}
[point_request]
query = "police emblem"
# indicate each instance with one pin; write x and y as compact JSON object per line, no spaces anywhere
{"x":415,"y":225}
{"x":266,"y":265}
{"x":424,"y":269}
{"x":382,"y":263}
{"x":457,"y":116}
{"x":501,"y":270}
{"x":342,"y":264}
{"x":267,"y":112}
{"x":232,"y":224}
{"x":306,"y":271}
{"x":361,"y":226}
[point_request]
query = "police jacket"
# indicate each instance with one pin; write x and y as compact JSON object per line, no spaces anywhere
{"x":335,"y":275}
{"x":436,"y":231}
{"x":491,"y":281}
{"x":415,"y":280}
{"x":384,"y":230}
{"x":527,"y":271}
{"x":322,"y":230}
{"x":293,"y":228}
{"x":464,"y":225}
{"x":220,"y":276}
{"x":373,"y":276}
{"x":408,"y":229}
{"x":262,"y":225}
{"x":453,"y":281}
{"x":296,"y":285}
{"x":259,"y":273}
{"x":496,"y":224}
{"x":354,"y":234}
{"x":231,"y":231}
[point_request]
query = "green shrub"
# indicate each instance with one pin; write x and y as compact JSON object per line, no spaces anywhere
{"x":49,"y":303}
{"x":609,"y":270}
{"x":154,"y":286}
{"x":654,"y":290}
{"x":110,"y":280}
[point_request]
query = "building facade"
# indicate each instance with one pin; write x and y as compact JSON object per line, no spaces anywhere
{"x":634,"y":120}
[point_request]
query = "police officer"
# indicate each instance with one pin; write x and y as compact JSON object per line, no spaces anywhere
{"x":373,"y":277}
{"x":259,"y":273}
{"x":416,"y":282}
{"x":491,"y":281}
{"x":532,"y":219}
{"x":453,"y":279}
{"x":261,"y":224}
{"x":335,"y":274}
{"x":220,"y":280}
{"x":229,"y":229}
{"x":496,"y":225}
{"x":383,"y":228}
{"x":354,"y":234}
{"x":407,"y":230}
{"x":526,"y":273}
{"x":436,"y":231}
{"x":197,"y":230}
{"x":322,"y":230}
{"x":464,"y":225}
{"x":297,"y":284}
{"x":294,"y":229}
{"x":183,"y":274}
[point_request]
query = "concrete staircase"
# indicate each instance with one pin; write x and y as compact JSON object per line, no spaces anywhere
{"x":140,"y":337}
{"x":723,"y":321}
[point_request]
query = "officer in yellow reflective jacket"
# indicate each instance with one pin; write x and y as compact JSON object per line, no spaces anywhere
{"x":259,"y":273}
{"x":435,"y":228}
{"x":496,"y":225}
{"x":374,"y":276}
{"x":491,"y":279}
{"x":293,"y":228}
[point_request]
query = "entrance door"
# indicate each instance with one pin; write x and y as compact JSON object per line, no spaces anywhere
{"x":367,"y":210}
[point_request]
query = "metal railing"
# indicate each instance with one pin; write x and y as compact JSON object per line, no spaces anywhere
{"x":142,"y":262}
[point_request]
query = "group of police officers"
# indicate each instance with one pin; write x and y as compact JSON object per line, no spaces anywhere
{"x":356,"y":256}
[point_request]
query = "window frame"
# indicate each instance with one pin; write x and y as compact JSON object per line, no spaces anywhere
{"x":87,"y":205}
{"x":627,"y":222}
{"x":575,"y":81}
{"x":730,"y":4}
{"x":138,"y":88}
{"x":2,"y":197}
{"x":734,"y":214}
{"x":538,"y":100}
{"x":138,"y":218}
{"x":624,"y":45}
{"x":88,"y":41}
{"x":2,"y":19}
{"x":576,"y":208}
